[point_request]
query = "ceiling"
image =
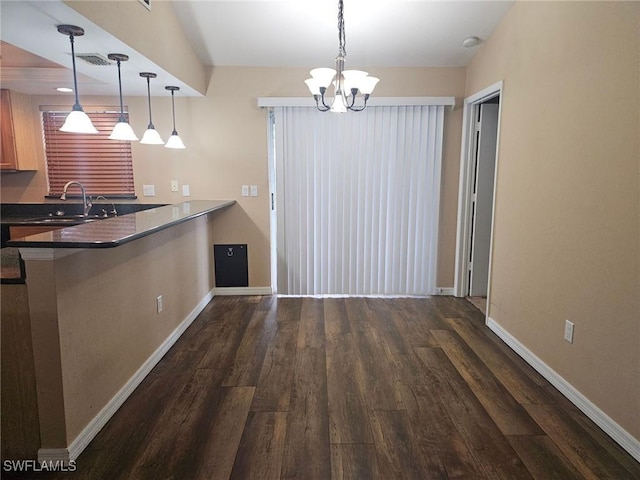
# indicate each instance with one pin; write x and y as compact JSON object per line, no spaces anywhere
{"x":304,"y":32}
{"x":301,"y":33}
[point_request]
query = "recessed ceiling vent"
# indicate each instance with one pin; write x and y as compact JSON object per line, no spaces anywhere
{"x":94,"y":59}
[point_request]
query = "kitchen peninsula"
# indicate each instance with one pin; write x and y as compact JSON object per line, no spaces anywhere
{"x":106,"y":300}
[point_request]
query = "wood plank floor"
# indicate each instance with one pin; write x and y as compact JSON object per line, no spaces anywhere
{"x":290,"y":388}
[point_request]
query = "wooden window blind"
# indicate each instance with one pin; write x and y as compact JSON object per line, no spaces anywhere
{"x":103,"y":166}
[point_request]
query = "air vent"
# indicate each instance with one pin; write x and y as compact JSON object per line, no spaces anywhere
{"x":94,"y":59}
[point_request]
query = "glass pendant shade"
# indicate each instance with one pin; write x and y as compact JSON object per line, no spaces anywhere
{"x":314,"y":86}
{"x":174,"y":141}
{"x":151,"y":137}
{"x":367,"y":84}
{"x":323,"y":76}
{"x":123,"y":131}
{"x":78,"y":122}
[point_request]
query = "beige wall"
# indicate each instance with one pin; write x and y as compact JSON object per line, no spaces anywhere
{"x":567,"y":242}
{"x":157,"y":34}
{"x":226,"y":138}
{"x":94,"y":319}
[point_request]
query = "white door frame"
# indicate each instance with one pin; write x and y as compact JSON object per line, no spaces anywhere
{"x":465,"y":188}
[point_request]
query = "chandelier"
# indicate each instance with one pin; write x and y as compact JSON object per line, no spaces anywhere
{"x":347,"y":84}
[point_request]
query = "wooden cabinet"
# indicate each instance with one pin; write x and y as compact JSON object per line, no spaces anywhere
{"x":17,"y":133}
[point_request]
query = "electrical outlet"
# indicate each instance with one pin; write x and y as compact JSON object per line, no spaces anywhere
{"x":149,"y":190}
{"x":159,"y":303}
{"x":254,"y":190}
{"x":245,"y":190}
{"x":174,"y":185}
{"x":568,"y":331}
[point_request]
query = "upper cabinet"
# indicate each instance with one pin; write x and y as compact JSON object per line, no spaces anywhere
{"x":19,"y":144}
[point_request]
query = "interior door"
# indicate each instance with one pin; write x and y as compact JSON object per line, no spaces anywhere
{"x":483,"y":199}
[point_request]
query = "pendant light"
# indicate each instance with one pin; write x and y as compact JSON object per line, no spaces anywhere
{"x":122,"y":130}
{"x":77,"y":121}
{"x":174,"y":140}
{"x":151,"y":136}
{"x":347,"y":84}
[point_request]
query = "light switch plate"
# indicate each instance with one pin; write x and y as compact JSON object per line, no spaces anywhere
{"x":149,"y":190}
{"x":254,"y":190}
{"x":186,"y":191}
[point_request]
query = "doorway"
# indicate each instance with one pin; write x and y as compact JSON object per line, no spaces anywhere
{"x":481,"y":118}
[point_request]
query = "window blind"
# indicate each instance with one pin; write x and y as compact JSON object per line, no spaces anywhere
{"x":103,"y":166}
{"x":358,"y":200}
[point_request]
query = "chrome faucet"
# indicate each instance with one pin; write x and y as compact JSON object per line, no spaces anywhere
{"x":86,"y":202}
{"x":114,"y":212}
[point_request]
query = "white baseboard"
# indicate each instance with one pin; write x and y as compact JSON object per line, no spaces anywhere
{"x":91,"y":430}
{"x":610,"y":427}
{"x":448,"y":291}
{"x":243,"y":291}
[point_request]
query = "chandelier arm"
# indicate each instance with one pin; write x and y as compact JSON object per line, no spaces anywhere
{"x":364,"y":105}
{"x":326,"y":107}
{"x":321,"y":109}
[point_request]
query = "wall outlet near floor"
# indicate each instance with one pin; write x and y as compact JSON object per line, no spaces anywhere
{"x":159,"y":303}
{"x":568,"y":331}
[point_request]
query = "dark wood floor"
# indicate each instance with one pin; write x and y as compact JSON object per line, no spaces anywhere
{"x":266,"y":388}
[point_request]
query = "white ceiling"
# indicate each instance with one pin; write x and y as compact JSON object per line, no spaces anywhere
{"x":304,"y":32}
{"x":246,"y":33}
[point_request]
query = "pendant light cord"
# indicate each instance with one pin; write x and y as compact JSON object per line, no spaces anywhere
{"x":149,"y":101}
{"x":76,"y":106}
{"x":120,"y":87}
{"x":173,"y":111}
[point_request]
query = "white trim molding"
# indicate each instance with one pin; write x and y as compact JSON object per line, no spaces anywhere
{"x":372,"y":102}
{"x":227,"y":291}
{"x":78,"y":445}
{"x":465,"y":186}
{"x":610,"y":427}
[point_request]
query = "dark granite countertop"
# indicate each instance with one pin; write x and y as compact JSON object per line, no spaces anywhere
{"x":115,"y":231}
{"x":24,"y":213}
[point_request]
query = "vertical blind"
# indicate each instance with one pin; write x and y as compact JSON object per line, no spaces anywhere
{"x":103,"y":166}
{"x":358,"y":200}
